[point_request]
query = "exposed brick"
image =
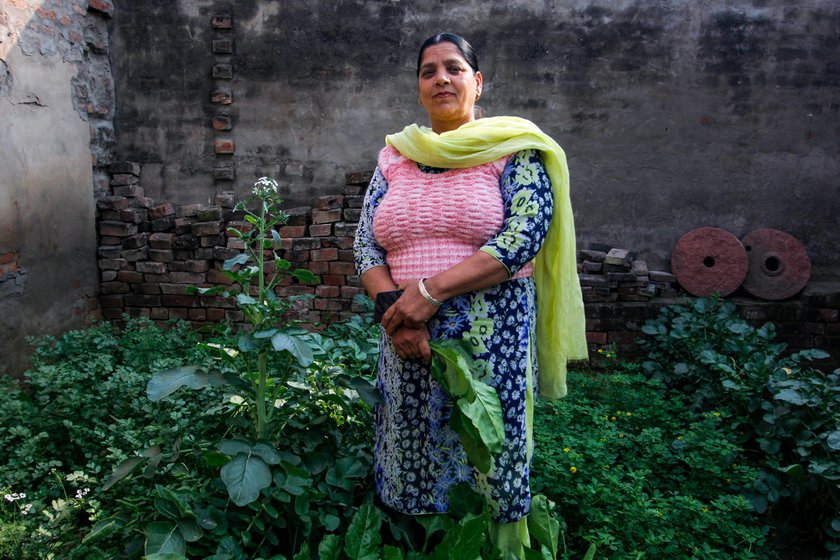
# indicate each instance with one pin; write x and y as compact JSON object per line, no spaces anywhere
{"x":292,"y":231}
{"x":329,"y":202}
{"x":222,"y":21}
{"x":161,"y":240}
{"x":161,"y":211}
{"x":201,"y":229}
{"x":125,"y":167}
{"x":320,"y":230}
{"x":136,"y":241}
{"x":187,"y":277}
{"x":197,"y":315}
{"x":180,"y":301}
{"x":128,"y":190}
{"x":104,"y":251}
{"x":195,"y":266}
{"x":134,"y":255}
{"x":112,"y":203}
{"x":111,"y":301}
{"x":162,"y":224}
{"x":109,"y":275}
{"x":222,"y":71}
{"x":346,"y":255}
{"x":221,"y":97}
{"x":114,"y":288}
{"x":327,"y":291}
{"x":110,"y":215}
{"x":351,"y":214}
{"x":147,"y":289}
{"x":321,"y":267}
{"x":344,"y":229}
{"x":349,"y":292}
{"x":223,"y":146}
{"x":356,"y":201}
{"x":159,"y":314}
{"x":325,"y":255}
{"x":326,"y":216}
{"x":215,"y":314}
{"x":337,"y":242}
{"x":129,"y":276}
{"x":151,"y":267}
{"x":112,"y":264}
{"x":333,"y":280}
{"x":227,"y":173}
{"x":224,"y":253}
{"x":156,"y":278}
{"x":223,"y":46}
{"x":122,"y":179}
{"x":306,"y":244}
{"x":298,"y":216}
{"x":161,"y":255}
{"x":361,"y":178}
{"x":211,"y":241}
{"x":179,"y":313}
{"x":339,"y":267}
{"x":226,"y":199}
{"x":137,"y":300}
{"x":327,"y":305}
{"x":117,"y":229}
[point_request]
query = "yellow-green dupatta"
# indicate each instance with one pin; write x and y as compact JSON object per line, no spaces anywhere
{"x":561,"y":327}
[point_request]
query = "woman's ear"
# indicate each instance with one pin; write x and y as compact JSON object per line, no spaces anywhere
{"x":479,"y":83}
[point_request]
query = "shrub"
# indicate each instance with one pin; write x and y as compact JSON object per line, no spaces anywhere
{"x":635,"y":473}
{"x":782,"y":410}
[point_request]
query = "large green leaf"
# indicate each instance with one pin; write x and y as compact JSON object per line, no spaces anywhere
{"x":168,"y":381}
{"x":123,"y":470}
{"x":241,"y":258}
{"x":330,"y":548}
{"x":485,"y":413}
{"x":295,"y":345}
{"x":244,"y":476}
{"x":104,"y":528}
{"x":833,"y":440}
{"x":391,"y":553}
{"x":363,"y":539}
{"x":303,"y":553}
{"x":463,"y":542}
{"x":476,"y":451}
{"x":164,"y":537}
{"x":542,"y":525}
{"x":367,"y":391}
{"x":164,"y":556}
{"x":451,"y":367}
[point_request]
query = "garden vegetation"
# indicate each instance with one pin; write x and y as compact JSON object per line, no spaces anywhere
{"x":166,"y":443}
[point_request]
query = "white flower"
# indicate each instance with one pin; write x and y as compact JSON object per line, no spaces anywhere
{"x":265,"y":186}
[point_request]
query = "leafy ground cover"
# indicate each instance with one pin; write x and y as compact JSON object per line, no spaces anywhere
{"x":241,"y":444}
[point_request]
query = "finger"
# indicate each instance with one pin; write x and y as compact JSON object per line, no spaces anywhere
{"x":389,"y":322}
{"x":426,"y":352}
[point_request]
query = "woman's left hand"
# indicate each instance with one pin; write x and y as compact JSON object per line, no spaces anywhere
{"x":411,"y":309}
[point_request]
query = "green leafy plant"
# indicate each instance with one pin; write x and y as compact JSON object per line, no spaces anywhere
{"x":291,"y":459}
{"x":782,"y":410}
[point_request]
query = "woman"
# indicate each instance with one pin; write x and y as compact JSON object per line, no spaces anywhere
{"x":454,"y":216}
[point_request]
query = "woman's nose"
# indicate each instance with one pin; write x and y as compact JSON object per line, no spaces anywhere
{"x":442,"y":78}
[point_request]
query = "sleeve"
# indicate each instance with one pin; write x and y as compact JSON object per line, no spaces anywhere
{"x":529,"y":205}
{"x":368,"y":253}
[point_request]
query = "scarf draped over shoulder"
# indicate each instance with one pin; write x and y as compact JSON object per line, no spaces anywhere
{"x":561,"y":327}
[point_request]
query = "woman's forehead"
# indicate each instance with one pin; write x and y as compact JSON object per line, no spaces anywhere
{"x":445,"y":51}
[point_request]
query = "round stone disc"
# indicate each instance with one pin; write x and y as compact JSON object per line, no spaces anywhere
{"x":779,"y":264}
{"x":709,"y":260}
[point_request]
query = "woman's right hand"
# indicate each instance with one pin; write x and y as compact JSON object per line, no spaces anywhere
{"x":412,"y":344}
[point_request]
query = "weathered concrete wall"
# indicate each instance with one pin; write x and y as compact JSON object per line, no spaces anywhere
{"x":55,"y":102}
{"x":674,"y":114}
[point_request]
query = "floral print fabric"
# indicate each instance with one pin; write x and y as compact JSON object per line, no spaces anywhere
{"x":417,"y":457}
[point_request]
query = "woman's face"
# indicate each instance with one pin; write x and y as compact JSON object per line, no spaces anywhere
{"x":448,"y":87}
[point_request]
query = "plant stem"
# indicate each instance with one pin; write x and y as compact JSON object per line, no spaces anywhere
{"x":260,"y":400}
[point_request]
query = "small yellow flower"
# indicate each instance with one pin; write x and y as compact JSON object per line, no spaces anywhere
{"x":679,"y":438}
{"x":628,"y":414}
{"x":787,"y":370}
{"x":717,"y":414}
{"x":620,"y":435}
{"x":573,"y":470}
{"x":612,"y":418}
{"x":602,"y":440}
{"x":705,"y":510}
{"x":566,"y":450}
{"x":600,"y":350}
{"x":606,"y":467}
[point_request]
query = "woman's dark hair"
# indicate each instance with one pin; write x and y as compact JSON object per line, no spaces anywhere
{"x":466,"y":49}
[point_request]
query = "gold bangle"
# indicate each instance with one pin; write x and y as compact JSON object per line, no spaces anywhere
{"x":425,"y":293}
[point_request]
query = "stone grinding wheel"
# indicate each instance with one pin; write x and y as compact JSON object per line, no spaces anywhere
{"x":779,"y":264}
{"x":709,"y":260}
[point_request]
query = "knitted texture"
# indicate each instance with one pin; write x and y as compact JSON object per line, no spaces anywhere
{"x":428,"y":222}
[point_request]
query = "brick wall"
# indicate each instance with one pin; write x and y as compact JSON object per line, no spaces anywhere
{"x":150,"y":252}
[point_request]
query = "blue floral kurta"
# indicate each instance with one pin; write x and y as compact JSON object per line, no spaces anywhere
{"x":417,"y":457}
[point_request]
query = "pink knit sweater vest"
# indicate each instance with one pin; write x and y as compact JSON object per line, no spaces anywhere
{"x":428,"y":222}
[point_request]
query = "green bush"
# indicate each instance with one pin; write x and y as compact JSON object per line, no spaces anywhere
{"x":638,"y":475}
{"x":784,"y":412}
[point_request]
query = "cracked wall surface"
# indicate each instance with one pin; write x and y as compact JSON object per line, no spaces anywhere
{"x":56,"y":113}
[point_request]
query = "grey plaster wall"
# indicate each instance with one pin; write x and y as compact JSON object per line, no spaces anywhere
{"x":47,"y":220}
{"x":675,"y":114}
